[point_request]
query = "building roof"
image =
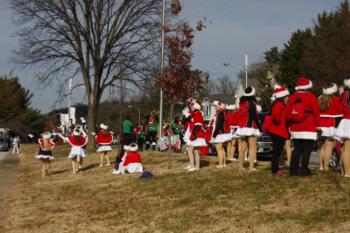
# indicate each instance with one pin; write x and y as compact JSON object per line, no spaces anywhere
{"x":226,"y":99}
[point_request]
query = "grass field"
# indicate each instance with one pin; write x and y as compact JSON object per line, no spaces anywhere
{"x":210,"y":200}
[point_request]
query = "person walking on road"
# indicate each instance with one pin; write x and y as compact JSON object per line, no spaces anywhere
{"x":16,"y":145}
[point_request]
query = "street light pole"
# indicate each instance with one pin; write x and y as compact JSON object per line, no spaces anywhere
{"x":162,"y":70}
{"x":246,"y":69}
{"x":70,"y":84}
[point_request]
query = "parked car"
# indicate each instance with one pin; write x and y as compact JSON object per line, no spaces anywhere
{"x":4,"y":144}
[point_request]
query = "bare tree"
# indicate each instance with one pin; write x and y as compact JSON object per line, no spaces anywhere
{"x":100,"y":42}
{"x":224,"y":85}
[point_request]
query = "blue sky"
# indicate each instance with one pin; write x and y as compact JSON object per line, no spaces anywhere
{"x":234,"y":27}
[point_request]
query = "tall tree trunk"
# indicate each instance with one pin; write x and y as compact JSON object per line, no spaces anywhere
{"x":92,"y":118}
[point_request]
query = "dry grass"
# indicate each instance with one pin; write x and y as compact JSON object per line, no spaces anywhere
{"x":210,"y":200}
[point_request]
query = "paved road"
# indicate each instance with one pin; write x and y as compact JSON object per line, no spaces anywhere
{"x":2,"y":155}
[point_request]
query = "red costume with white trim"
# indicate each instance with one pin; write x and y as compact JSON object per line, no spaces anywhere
{"x":104,"y":138}
{"x":343,"y":130}
{"x":328,"y":117}
{"x":307,"y":129}
{"x":73,"y":141}
{"x":132,"y":157}
{"x":220,"y":128}
{"x":279,"y":121}
{"x":197,"y":137}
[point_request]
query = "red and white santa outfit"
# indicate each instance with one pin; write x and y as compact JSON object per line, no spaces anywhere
{"x":131,"y":161}
{"x":248,"y":115}
{"x":278,"y":124}
{"x":233,"y":118}
{"x":328,"y":118}
{"x":197,"y":137}
{"x":45,"y":154}
{"x":306,"y":129}
{"x":219,"y":125}
{"x":77,"y":141}
{"x":187,"y":122}
{"x":343,"y":130}
{"x":104,"y":139}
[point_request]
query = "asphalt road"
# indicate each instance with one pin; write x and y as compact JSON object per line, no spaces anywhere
{"x":3,"y":154}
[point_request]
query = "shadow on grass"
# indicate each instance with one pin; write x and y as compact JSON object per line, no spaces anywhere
{"x":59,"y":171}
{"x":89,"y":167}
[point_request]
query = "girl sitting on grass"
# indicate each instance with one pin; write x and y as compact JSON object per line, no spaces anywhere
{"x":131,"y":161}
{"x":77,"y":141}
{"x":104,"y":139}
{"x":46,"y":144}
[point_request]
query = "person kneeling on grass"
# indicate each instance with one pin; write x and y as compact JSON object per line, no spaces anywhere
{"x":46,"y":144}
{"x":104,"y":139}
{"x":131,"y":161}
{"x":78,"y":140}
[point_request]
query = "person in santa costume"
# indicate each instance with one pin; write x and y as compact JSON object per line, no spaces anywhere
{"x":278,"y":126}
{"x":220,"y":132}
{"x":343,"y":130}
{"x":248,"y":130}
{"x":331,"y":115}
{"x":77,"y":140}
{"x":303,"y":118}
{"x":186,"y":121}
{"x":46,"y":145}
{"x":104,"y":139}
{"x":130,"y":162}
{"x":197,"y":136}
{"x":232,"y":119}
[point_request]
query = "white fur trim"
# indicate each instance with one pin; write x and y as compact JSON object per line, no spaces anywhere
{"x":343,"y":130}
{"x":330,"y":91}
{"x":47,"y":135}
{"x":199,"y":142}
{"x":331,"y":116}
{"x":328,"y":131}
{"x":347,"y":82}
{"x":306,"y":87}
{"x":304,"y":135}
{"x":221,"y":138}
{"x":76,"y":133}
{"x":103,"y":126}
{"x":219,"y":104}
{"x":281,"y":94}
{"x":126,"y":148}
{"x":51,"y":158}
{"x":77,"y":151}
{"x":82,"y":119}
{"x":247,"y":132}
{"x":104,"y":148}
{"x":252,"y":93}
{"x":231,"y":107}
{"x":197,"y":106}
{"x":132,"y":147}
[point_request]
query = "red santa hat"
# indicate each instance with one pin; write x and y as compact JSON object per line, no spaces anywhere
{"x":249,"y":91}
{"x":132,"y":147}
{"x":303,"y":83}
{"x":219,"y":103}
{"x":103,"y":126}
{"x":332,"y":89}
{"x":279,"y":91}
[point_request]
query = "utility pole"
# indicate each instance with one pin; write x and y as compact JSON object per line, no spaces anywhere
{"x":162,"y":70}
{"x":70,"y":84}
{"x":246,"y":69}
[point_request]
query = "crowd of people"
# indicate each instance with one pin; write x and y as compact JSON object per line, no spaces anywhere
{"x":296,"y":120}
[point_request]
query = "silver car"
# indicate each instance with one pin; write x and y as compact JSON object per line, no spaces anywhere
{"x":4,"y":144}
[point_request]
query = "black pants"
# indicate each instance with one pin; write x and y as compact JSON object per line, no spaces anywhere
{"x":278,"y":144}
{"x":301,"y":153}
{"x":140,"y":142}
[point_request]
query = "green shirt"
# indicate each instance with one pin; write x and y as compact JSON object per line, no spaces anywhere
{"x":126,"y":126}
{"x":153,"y":127}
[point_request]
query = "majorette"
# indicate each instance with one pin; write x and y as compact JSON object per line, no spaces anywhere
{"x":45,"y":152}
{"x":104,"y":138}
